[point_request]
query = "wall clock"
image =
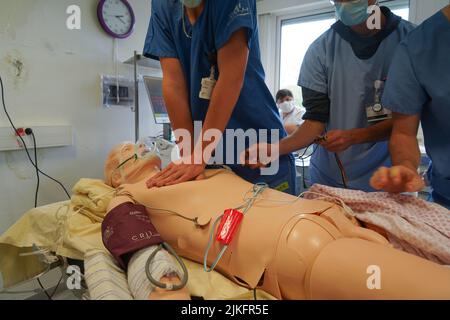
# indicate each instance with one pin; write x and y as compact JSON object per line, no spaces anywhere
{"x":116,"y":18}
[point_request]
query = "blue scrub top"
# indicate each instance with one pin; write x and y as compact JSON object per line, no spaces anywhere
{"x":256,"y":108}
{"x":419,"y":83}
{"x":332,"y":68}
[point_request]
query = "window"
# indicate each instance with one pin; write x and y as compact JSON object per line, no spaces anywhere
{"x":297,"y":34}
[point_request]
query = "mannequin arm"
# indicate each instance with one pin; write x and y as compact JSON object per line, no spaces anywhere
{"x":158,"y":293}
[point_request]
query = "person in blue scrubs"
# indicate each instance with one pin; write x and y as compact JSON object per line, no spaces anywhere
{"x":342,"y":78}
{"x":418,"y":89}
{"x":212,"y":72}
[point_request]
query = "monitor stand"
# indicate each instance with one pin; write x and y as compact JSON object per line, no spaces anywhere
{"x":167,"y":132}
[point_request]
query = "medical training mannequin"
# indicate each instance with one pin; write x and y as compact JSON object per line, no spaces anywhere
{"x":292,"y":249}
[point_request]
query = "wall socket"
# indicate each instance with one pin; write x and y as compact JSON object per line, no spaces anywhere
{"x":46,"y":137}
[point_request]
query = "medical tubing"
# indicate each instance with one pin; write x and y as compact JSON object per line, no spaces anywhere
{"x":342,"y":170}
{"x":24,"y":144}
{"x":258,"y":189}
{"x":195,"y":220}
{"x":208,"y":247}
{"x":165,"y":286}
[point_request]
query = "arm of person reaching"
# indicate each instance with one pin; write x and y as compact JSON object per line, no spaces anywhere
{"x":232,"y":63}
{"x":340,"y":140}
{"x":290,"y":128}
{"x":405,"y":153}
{"x":260,"y":155}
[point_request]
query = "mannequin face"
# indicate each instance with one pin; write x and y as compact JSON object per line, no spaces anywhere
{"x":122,"y":167}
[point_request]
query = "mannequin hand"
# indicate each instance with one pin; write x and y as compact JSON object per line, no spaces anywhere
{"x":338,"y":140}
{"x":397,"y":179}
{"x":258,"y":156}
{"x":177,"y":172}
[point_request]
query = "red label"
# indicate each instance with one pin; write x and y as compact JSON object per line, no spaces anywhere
{"x":228,"y":226}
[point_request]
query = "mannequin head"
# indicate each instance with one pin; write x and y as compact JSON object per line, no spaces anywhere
{"x":123,"y":166}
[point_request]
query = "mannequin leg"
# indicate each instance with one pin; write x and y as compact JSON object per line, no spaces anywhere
{"x":347,"y":268}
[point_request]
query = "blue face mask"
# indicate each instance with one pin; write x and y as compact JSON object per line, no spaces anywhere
{"x":352,"y":13}
{"x":191,"y":3}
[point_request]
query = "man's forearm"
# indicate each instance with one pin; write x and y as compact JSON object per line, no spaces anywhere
{"x":223,"y":101}
{"x":405,"y":151}
{"x":378,"y":132}
{"x":304,"y":136}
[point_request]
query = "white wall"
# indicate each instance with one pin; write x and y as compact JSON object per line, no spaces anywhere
{"x":60,"y":84}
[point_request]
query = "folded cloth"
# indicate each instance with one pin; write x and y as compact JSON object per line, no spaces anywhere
{"x":413,"y":225}
{"x":92,"y":197}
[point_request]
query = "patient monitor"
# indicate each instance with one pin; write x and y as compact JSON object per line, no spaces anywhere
{"x":155,"y":95}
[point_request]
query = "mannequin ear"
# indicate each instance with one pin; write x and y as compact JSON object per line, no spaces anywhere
{"x":116,"y":179}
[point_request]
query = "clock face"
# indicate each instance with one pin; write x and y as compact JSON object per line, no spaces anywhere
{"x":116,"y":17}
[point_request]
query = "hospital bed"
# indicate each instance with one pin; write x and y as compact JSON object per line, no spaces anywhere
{"x":66,"y":235}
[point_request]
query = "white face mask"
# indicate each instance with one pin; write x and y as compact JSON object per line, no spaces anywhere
{"x":287,"y":106}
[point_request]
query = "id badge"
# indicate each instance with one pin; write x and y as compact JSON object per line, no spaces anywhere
{"x":376,"y":113}
{"x":208,"y":85}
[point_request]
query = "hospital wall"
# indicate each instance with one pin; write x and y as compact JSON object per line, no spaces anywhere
{"x":58,"y":83}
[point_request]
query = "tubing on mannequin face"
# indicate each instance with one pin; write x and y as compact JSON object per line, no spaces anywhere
{"x":127,"y":159}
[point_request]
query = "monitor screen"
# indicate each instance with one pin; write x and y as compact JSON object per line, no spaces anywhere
{"x":155,"y":95}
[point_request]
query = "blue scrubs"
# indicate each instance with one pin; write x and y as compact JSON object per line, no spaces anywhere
{"x":419,"y":83}
{"x":331,"y":67}
{"x":256,"y":108}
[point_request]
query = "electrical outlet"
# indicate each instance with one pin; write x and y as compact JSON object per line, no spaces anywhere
{"x":46,"y":137}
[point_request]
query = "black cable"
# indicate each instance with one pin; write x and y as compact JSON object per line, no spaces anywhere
{"x":342,"y":170}
{"x":254,"y":294}
{"x":303,"y":157}
{"x":24,"y":144}
{"x":38,"y":180}
{"x":45,"y":291}
{"x":57,"y":285}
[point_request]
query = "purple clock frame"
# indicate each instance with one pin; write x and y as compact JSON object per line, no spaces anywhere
{"x":105,"y":26}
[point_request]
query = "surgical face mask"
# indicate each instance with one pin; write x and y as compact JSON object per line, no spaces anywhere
{"x":191,"y":3}
{"x":352,"y":13}
{"x":287,"y":106}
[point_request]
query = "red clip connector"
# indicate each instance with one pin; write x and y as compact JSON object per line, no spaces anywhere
{"x":229,"y":225}
{"x":20,"y":132}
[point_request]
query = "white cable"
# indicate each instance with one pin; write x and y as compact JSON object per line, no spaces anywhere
{"x":116,"y":62}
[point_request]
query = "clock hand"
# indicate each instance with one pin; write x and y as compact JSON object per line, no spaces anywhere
{"x":120,"y":18}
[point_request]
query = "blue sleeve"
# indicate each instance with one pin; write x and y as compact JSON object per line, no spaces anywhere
{"x":403,"y":92}
{"x":159,"y":42}
{"x":313,"y":74}
{"x":232,"y":15}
